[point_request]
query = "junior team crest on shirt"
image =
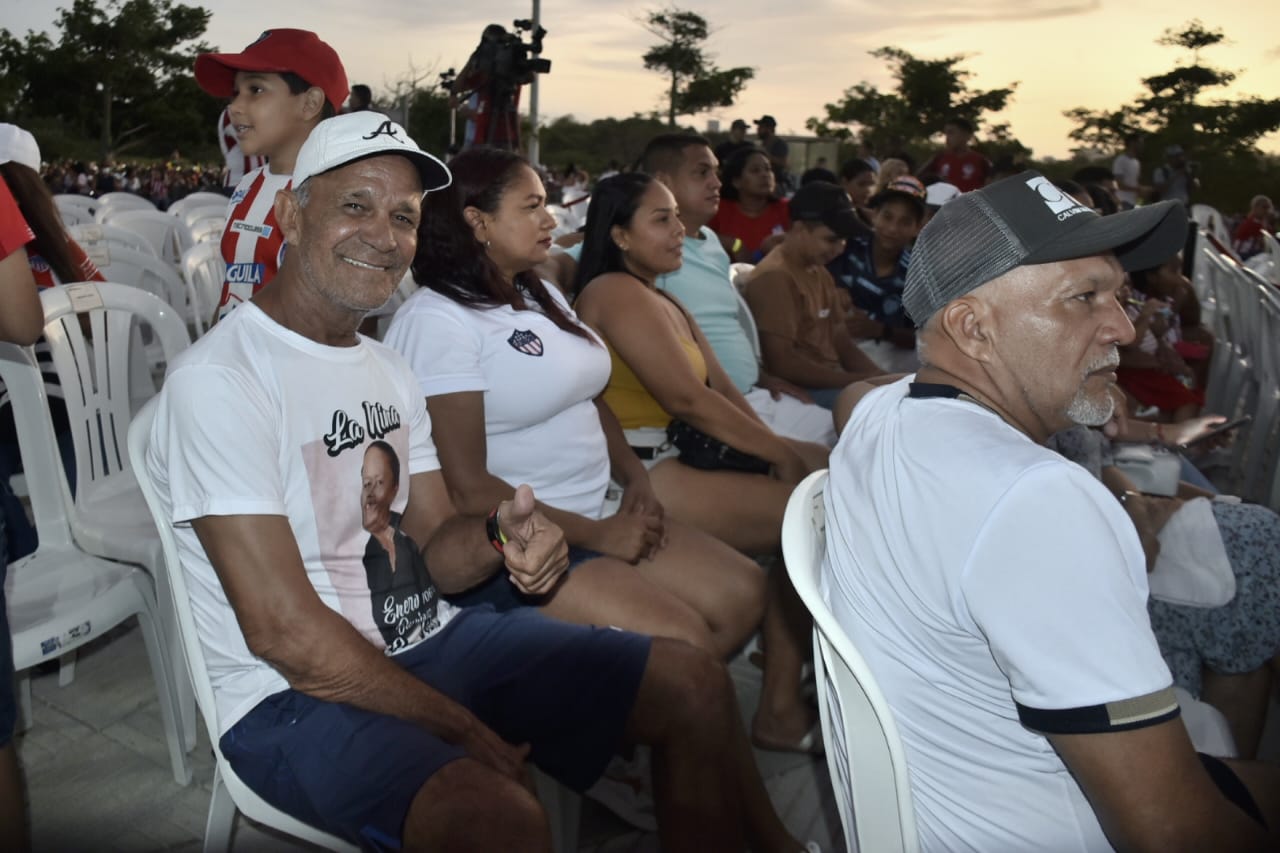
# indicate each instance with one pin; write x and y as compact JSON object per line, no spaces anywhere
{"x":525,"y":341}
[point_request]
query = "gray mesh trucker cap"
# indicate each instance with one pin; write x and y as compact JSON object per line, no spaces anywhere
{"x":1025,"y":219}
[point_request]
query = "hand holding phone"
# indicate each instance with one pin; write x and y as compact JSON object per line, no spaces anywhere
{"x":1217,"y":430}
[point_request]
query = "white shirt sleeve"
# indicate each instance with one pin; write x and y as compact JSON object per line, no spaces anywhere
{"x":217,"y":459}
{"x":443,"y":350}
{"x":422,"y":449}
{"x":1057,"y":584}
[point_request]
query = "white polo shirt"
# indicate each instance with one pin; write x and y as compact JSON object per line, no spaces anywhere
{"x":998,"y":593}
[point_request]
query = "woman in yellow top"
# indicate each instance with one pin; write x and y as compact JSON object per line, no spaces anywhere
{"x":663,"y":367}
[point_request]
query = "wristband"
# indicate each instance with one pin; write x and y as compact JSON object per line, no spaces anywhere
{"x":497,"y":538}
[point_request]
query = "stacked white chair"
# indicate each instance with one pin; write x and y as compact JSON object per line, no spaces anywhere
{"x":75,"y":209}
{"x":61,"y":597}
{"x":168,"y":235}
{"x":204,"y":270}
{"x":113,"y":204}
{"x":201,"y":212}
{"x":108,"y":517}
{"x":864,"y":750}
{"x":181,"y":207}
{"x":208,"y":229}
{"x":97,"y":239}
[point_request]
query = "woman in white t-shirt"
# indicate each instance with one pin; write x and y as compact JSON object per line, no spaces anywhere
{"x":512,"y":381}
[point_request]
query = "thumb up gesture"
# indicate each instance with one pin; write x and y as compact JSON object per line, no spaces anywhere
{"x":536,"y":554}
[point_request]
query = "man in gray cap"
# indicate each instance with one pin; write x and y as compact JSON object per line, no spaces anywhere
{"x":997,"y":591}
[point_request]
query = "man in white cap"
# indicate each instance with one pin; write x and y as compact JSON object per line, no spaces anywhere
{"x":997,"y":591}
{"x":396,"y":720}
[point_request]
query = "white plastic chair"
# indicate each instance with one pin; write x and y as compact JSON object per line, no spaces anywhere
{"x":203,"y":269}
{"x":229,"y":791}
{"x":208,"y":229}
{"x":182,"y":206}
{"x":75,"y":209}
{"x":148,"y":273}
{"x":193,"y":214}
{"x":113,"y":204}
{"x":60,"y":598}
{"x":169,"y":235}
{"x":97,"y":239}
{"x":109,"y":518}
{"x":869,"y":773}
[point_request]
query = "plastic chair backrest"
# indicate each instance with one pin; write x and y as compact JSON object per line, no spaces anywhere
{"x":114,"y":204}
{"x":94,"y":373}
{"x":182,"y":206}
{"x":144,"y":271}
{"x":195,"y":213}
{"x":96,"y":238}
{"x":71,"y":211}
{"x":244,"y":798}
{"x":46,"y":482}
{"x":864,"y":751}
{"x":169,"y":235}
{"x":204,"y":269}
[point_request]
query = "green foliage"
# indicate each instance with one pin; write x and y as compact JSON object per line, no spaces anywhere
{"x":592,"y":146}
{"x":696,"y":84}
{"x":928,"y":92}
{"x":1174,"y":108}
{"x":120,"y":73}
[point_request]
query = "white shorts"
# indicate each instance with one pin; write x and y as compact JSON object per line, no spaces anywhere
{"x":791,"y":418}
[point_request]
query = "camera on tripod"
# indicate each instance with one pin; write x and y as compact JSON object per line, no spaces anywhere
{"x":511,"y":61}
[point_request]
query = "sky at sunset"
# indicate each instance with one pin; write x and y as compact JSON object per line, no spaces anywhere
{"x":1064,"y":53}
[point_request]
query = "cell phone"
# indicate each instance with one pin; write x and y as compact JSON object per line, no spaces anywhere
{"x":1219,"y":430}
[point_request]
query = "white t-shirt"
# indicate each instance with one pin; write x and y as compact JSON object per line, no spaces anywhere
{"x":255,"y":419}
{"x":540,"y":423}
{"x":997,"y":591}
{"x":1127,"y":170}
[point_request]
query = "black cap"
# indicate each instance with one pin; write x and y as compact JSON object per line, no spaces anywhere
{"x":737,"y":122}
{"x":769,"y":120}
{"x":827,"y":203}
{"x":1025,"y":219}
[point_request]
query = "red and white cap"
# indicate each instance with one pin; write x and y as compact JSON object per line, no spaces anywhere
{"x":281,"y":51}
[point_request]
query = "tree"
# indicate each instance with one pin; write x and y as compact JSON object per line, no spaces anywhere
{"x":120,"y":74}
{"x":928,"y":93}
{"x":1173,"y":109}
{"x":696,"y":85}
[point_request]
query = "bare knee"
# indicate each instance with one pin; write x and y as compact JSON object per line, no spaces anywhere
{"x":468,"y":806}
{"x":686,"y":693}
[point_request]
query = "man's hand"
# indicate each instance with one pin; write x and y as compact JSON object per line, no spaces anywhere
{"x":536,"y":553}
{"x":777,"y":386}
{"x":627,"y":536}
{"x":1150,"y":513}
{"x":1183,"y":433}
{"x":484,"y":745}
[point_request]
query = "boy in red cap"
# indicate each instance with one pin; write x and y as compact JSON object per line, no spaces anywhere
{"x":280,"y":87}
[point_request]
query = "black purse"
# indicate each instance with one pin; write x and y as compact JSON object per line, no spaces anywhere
{"x":699,"y":450}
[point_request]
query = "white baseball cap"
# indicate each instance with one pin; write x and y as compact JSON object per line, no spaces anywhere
{"x":939,"y":193}
{"x":18,"y":146}
{"x":348,"y":137}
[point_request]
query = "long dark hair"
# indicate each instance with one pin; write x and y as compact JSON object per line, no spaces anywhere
{"x":453,"y":263}
{"x":36,"y":204}
{"x":735,"y":166}
{"x":613,"y":202}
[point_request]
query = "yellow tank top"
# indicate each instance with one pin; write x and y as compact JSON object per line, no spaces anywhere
{"x":631,"y":402}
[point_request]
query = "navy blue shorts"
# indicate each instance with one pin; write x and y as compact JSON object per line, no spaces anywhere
{"x":566,"y":690}
{"x":503,"y":594}
{"x":8,"y":702}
